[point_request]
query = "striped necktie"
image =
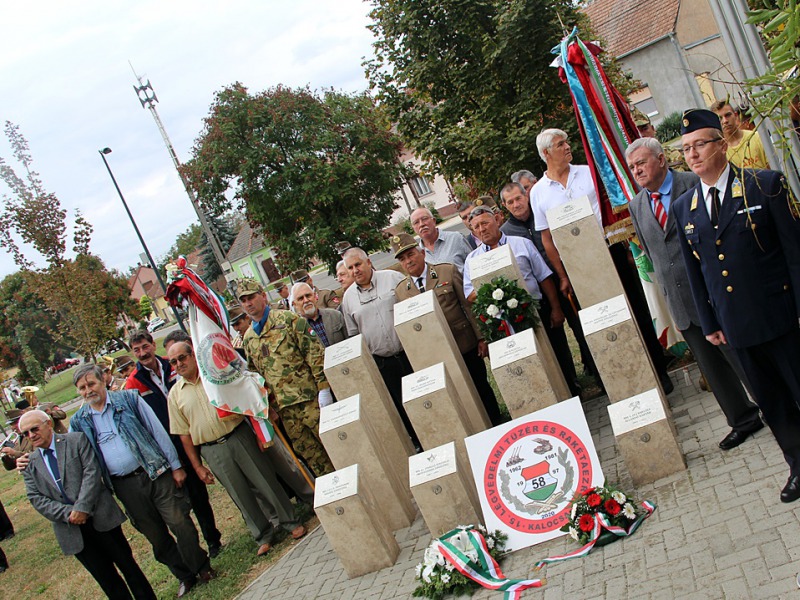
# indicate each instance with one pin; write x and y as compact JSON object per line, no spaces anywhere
{"x":658,"y":210}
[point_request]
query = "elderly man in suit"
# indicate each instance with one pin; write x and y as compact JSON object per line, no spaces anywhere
{"x":446,"y":282}
{"x":327,"y":323}
{"x":64,"y":484}
{"x":739,"y":231}
{"x":658,"y":233}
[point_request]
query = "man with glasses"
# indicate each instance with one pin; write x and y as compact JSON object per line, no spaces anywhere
{"x":231,"y":450}
{"x":152,"y":378}
{"x":739,"y":231}
{"x":282,"y":347}
{"x":368,"y":309}
{"x":64,"y":484}
{"x":440,"y":246}
{"x":139,"y":462}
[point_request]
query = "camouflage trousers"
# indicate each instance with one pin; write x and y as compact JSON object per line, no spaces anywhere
{"x":301,"y":422}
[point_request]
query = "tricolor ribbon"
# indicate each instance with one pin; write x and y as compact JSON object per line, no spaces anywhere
{"x":484,"y":571}
{"x":601,"y":522}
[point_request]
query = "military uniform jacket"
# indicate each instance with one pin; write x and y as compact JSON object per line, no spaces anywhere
{"x":447,"y":284}
{"x":664,"y":249}
{"x":289,"y":356}
{"x":744,"y":275}
{"x":327,"y":299}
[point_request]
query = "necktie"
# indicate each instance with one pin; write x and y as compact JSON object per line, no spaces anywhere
{"x":658,"y":210}
{"x":715,"y":206}
{"x":421,"y":284}
{"x":53,"y":463}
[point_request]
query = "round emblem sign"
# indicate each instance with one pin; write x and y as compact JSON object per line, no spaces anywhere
{"x":532,"y":473}
{"x":217,"y":359}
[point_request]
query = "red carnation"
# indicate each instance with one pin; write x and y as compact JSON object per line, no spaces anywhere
{"x":612,"y":507}
{"x":586,"y":523}
{"x":589,"y":491}
{"x":483,"y":318}
{"x":594,"y":500}
{"x":519,"y":318}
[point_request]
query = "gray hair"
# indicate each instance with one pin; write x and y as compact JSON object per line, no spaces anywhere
{"x":355,"y":252}
{"x":513,"y":185}
{"x":652,"y":144}
{"x":544,"y":141}
{"x":85,"y":370}
{"x":339,"y":265}
{"x":296,"y":286}
{"x":516,"y":177}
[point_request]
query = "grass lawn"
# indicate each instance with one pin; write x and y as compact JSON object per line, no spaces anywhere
{"x":38,"y":569}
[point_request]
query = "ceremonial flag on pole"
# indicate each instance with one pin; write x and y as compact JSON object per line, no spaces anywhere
{"x":230,"y":387}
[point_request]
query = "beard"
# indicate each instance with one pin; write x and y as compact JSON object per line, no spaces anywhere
{"x":309,"y":310}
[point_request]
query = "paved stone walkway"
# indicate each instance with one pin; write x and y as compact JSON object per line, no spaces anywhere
{"x":720,"y":530}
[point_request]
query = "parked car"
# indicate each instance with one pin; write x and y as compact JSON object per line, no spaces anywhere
{"x":156,"y":324}
{"x":66,"y":364}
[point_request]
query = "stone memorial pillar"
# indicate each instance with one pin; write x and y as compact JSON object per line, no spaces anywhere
{"x":646,"y":437}
{"x":350,"y":438}
{"x":426,"y":337}
{"x":521,"y":377}
{"x":429,"y":400}
{"x":443,"y":489}
{"x":350,"y":370}
{"x":352,"y":521}
{"x":501,"y":262}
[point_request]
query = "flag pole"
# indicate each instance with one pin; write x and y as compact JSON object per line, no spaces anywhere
{"x":296,"y":460}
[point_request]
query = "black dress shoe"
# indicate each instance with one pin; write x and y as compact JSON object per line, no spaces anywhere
{"x":185,"y":587}
{"x":791,"y":491}
{"x":214,"y":550}
{"x":736,"y":437}
{"x":206,"y":575}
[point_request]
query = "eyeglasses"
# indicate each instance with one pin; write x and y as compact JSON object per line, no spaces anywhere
{"x":424,"y":219}
{"x":179,"y":358}
{"x":699,"y":145}
{"x":32,"y":430}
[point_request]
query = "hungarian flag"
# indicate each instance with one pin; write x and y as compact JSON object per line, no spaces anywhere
{"x":230,"y":387}
{"x":539,"y":484}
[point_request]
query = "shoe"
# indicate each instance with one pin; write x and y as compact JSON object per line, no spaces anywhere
{"x":298,"y":532}
{"x":7,"y":535}
{"x":263,"y":549}
{"x":184,"y":588}
{"x":206,"y":575}
{"x":214,"y":550}
{"x":735,"y":438}
{"x":791,"y":491}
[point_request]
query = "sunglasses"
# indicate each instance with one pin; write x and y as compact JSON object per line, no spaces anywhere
{"x":179,"y":358}
{"x":31,"y":431}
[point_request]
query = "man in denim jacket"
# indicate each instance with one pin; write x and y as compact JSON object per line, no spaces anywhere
{"x":139,"y":462}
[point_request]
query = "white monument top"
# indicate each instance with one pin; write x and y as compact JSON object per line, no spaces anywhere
{"x":513,"y":348}
{"x":604,"y":314}
{"x":343,"y":351}
{"x":413,"y":307}
{"x":432,"y":464}
{"x":340,"y":413}
{"x":423,"y":382}
{"x":637,"y":411}
{"x":491,"y":261}
{"x":336,"y":486}
{"x":569,"y":212}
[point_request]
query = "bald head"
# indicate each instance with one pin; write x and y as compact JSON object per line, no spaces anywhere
{"x":37,"y":425}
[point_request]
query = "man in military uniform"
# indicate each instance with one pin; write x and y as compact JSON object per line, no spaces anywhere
{"x":674,"y":156}
{"x":740,"y":237}
{"x":446,"y":282}
{"x":325,"y":298}
{"x":282,"y":347}
{"x":283,"y":302}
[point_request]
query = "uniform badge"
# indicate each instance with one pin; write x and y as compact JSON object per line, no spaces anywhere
{"x":696,"y":255}
{"x":264,"y":351}
{"x":694,"y":199}
{"x":736,"y":188}
{"x":396,"y":239}
{"x":478,"y":202}
{"x":689,"y":229}
{"x":686,"y":122}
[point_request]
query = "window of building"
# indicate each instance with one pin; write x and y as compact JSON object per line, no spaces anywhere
{"x":420,"y":186}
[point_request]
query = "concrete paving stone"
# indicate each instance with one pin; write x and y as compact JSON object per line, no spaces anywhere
{"x":756,"y":572}
{"x":711,"y":593}
{"x":784,"y":589}
{"x":738,"y":558}
{"x":720,"y":576}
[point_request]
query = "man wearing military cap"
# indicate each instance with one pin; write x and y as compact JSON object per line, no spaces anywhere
{"x":674,"y":156}
{"x":283,"y":291}
{"x":739,"y":231}
{"x":488,"y":201}
{"x":282,"y":347}
{"x":439,"y":246}
{"x":325,"y":298}
{"x":445,"y":281}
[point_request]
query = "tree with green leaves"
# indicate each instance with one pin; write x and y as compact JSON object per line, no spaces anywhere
{"x":145,"y":307}
{"x":469,"y":83}
{"x":308,"y":170}
{"x":83,"y":297}
{"x":186,"y":243}
{"x":226,"y":234}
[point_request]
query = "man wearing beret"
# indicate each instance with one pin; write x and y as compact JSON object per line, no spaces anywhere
{"x":282,"y":347}
{"x":447,"y":284}
{"x":740,"y":237}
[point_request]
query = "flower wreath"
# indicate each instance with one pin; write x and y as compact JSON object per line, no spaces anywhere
{"x":503,"y":308}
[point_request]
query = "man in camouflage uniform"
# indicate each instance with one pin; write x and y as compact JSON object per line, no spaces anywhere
{"x":282,"y":347}
{"x":673,"y":155}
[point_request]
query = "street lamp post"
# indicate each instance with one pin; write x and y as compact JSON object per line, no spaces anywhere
{"x":153,"y":265}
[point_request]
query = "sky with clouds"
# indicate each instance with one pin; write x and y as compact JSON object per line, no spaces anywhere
{"x":66,"y":81}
